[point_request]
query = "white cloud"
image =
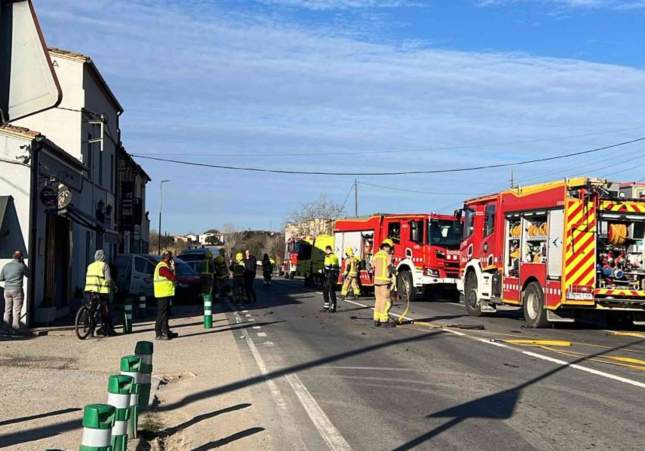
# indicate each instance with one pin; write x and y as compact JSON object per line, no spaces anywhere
{"x":579,"y":4}
{"x":207,"y":80}
{"x":339,"y":4}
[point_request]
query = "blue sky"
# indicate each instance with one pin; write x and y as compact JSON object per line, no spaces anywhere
{"x":361,"y":85}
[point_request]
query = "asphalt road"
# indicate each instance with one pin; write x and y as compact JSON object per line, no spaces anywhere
{"x":445,"y":382}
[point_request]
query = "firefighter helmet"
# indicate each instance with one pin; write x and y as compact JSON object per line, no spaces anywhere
{"x":349,"y":252}
{"x":239,"y":257}
{"x":387,"y":242}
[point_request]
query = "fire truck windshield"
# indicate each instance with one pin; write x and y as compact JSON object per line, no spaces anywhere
{"x":446,"y":233}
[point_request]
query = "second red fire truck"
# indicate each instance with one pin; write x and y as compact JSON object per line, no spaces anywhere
{"x":426,"y":251}
{"x":559,"y":250}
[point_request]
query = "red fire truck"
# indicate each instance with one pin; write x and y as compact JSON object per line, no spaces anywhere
{"x":561,"y":250}
{"x":426,"y":251}
{"x":290,"y":262}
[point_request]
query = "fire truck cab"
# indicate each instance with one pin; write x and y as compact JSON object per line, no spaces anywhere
{"x":556,"y":249}
{"x":426,"y":251}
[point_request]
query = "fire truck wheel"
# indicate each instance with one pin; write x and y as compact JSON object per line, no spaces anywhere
{"x":533,"y":306}
{"x":473,"y":307}
{"x":405,"y":286}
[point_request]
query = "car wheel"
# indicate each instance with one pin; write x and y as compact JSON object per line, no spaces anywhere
{"x":471,"y":301}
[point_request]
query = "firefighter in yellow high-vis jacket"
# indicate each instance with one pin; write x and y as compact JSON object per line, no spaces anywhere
{"x":383,"y":272}
{"x":350,"y":276}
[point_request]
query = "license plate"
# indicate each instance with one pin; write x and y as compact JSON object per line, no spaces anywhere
{"x":580,"y":296}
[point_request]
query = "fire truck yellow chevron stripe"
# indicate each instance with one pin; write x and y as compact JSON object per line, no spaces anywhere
{"x":625,"y":206}
{"x":580,"y":244}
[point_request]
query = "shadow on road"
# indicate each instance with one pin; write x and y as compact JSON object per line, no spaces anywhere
{"x":231,"y":438}
{"x":39,"y":415}
{"x":498,"y":406}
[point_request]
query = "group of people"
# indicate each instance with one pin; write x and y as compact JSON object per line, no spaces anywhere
{"x":383,"y":280}
{"x":243,"y":268}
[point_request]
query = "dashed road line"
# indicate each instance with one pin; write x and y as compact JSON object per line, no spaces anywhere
{"x":576,"y":366}
{"x":257,"y":327}
{"x":261,"y":334}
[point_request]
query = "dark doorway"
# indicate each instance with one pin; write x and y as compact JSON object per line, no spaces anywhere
{"x":57,"y":262}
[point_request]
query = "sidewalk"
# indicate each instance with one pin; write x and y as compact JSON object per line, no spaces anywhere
{"x":47,"y":380}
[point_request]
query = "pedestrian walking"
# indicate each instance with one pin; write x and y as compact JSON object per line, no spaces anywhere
{"x":221,"y":275}
{"x":251,"y":265}
{"x":238,"y":269}
{"x":383,"y":274}
{"x":164,"y":291}
{"x":267,"y":269}
{"x":13,"y":275}
{"x":330,"y":277}
{"x":98,"y":285}
{"x":350,"y":276}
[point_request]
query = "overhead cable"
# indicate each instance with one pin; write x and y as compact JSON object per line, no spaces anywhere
{"x":391,"y":173}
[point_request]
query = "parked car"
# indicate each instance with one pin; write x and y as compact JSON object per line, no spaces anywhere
{"x":134,"y":274}
{"x":188,"y":286}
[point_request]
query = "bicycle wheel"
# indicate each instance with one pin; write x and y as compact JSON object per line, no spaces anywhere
{"x":83,"y":323}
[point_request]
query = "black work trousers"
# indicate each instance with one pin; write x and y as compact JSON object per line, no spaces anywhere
{"x":329,"y":290}
{"x":163,"y":314}
{"x":249,"y":288}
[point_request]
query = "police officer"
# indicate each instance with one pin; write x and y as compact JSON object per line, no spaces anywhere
{"x":383,"y":274}
{"x":330,"y":273}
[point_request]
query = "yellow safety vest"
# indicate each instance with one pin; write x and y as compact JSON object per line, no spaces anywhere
{"x":331,"y":262}
{"x":163,"y":287}
{"x":353,"y":266}
{"x":381,"y":268}
{"x":95,"y":279}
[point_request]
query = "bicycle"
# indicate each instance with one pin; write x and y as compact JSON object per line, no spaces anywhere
{"x":88,"y":317}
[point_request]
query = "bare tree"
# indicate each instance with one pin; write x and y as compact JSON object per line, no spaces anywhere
{"x":316,"y":217}
{"x":233,"y":238}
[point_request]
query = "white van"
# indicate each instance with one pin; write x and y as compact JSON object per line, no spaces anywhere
{"x":134,"y":274}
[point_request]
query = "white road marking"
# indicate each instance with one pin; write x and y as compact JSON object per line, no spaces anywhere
{"x":575,"y":366}
{"x":261,"y":334}
{"x":248,"y":315}
{"x":329,"y":433}
{"x":267,"y":343}
{"x":257,"y":327}
{"x":250,"y":320}
{"x":335,"y":441}
{"x":245,"y":311}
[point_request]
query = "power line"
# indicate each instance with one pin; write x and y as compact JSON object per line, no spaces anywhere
{"x":351,"y":188}
{"x":378,"y":174}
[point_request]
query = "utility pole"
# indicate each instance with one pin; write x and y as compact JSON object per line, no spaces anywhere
{"x":160,"y":210}
{"x":512,"y":179}
{"x":356,"y":197}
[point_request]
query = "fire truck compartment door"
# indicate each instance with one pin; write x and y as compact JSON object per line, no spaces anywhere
{"x":348,"y":239}
{"x":556,"y":235}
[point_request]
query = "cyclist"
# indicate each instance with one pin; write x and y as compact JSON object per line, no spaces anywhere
{"x":98,"y":284}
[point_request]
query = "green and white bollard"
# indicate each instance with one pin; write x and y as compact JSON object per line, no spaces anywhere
{"x":127,"y":317}
{"x":98,"y":420}
{"x":119,"y":388}
{"x":143,"y":350}
{"x":208,"y":311}
{"x":142,"y":305}
{"x":130,"y":366}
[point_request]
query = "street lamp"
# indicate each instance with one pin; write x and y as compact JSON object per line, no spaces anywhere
{"x":160,"y":210}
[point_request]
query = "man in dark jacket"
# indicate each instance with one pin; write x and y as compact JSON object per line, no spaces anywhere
{"x":251,"y":265}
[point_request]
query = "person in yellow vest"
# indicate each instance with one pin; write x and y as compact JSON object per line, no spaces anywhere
{"x":330,"y":272}
{"x":350,"y":277}
{"x":98,"y":283}
{"x":164,"y":290}
{"x":239,"y":270}
{"x":383,"y":272}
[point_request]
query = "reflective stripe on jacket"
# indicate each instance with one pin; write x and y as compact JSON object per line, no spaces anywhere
{"x":331,"y":262}
{"x":381,"y":261}
{"x":163,"y":288}
{"x":95,"y":278}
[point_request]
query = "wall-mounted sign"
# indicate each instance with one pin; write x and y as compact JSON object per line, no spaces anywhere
{"x":55,"y":195}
